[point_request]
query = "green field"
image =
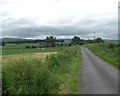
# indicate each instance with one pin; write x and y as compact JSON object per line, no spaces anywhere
{"x":40,"y":71}
{"x":21,"y":48}
{"x":107,"y":51}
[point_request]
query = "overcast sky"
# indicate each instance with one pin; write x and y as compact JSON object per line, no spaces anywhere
{"x":60,"y":18}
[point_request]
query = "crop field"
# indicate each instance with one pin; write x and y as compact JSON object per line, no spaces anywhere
{"x":107,"y":51}
{"x":40,"y":71}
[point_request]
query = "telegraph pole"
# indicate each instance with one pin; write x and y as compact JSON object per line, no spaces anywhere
{"x":94,"y":36}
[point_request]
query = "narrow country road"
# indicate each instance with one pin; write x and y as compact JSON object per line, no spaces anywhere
{"x":97,"y":76}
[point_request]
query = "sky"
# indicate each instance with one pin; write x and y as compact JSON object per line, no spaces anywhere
{"x":64,"y":19}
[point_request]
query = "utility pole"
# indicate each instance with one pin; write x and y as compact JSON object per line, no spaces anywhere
{"x":94,"y":36}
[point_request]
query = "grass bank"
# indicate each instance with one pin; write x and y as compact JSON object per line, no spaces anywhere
{"x":107,"y":51}
{"x":57,"y":74}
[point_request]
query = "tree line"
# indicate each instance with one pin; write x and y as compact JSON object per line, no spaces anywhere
{"x":51,"y":41}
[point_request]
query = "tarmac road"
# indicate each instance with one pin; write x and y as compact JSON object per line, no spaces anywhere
{"x":97,"y":76}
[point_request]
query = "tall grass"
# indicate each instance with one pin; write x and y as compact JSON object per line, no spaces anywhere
{"x":58,"y":73}
{"x":107,"y":51}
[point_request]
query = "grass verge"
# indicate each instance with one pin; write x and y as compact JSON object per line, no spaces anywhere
{"x":107,"y":51}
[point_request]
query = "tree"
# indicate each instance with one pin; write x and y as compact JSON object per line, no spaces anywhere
{"x":76,"y":41}
{"x":50,"y":41}
{"x":2,"y":43}
{"x":99,"y":40}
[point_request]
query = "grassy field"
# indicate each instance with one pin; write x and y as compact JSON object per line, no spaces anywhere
{"x":40,"y":71}
{"x":107,"y":51}
{"x":21,"y":48}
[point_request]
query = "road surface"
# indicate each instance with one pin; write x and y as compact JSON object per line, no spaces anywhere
{"x":97,"y":76}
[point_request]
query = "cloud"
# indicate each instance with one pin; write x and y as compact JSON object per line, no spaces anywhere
{"x":24,"y":28}
{"x":61,"y":18}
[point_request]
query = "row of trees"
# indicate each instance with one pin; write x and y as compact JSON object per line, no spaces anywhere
{"x":77,"y":41}
{"x":53,"y":42}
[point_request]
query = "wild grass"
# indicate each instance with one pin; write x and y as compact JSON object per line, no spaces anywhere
{"x":107,"y":51}
{"x":57,"y":74}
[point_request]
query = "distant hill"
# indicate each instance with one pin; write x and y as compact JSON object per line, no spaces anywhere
{"x":108,"y":40}
{"x":20,"y":39}
{"x":67,"y":40}
{"x":12,"y":39}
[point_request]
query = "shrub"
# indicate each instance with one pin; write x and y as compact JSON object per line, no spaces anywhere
{"x":27,"y":46}
{"x":33,"y":46}
{"x":111,"y":45}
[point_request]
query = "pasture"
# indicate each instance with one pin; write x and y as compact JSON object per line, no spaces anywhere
{"x":11,"y":49}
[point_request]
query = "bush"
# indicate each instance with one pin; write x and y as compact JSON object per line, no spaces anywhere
{"x":33,"y":46}
{"x":111,"y":45}
{"x":27,"y":46}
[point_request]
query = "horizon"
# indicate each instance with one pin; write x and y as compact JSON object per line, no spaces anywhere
{"x":57,"y":38}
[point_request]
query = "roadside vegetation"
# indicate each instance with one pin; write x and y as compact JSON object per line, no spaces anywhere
{"x":107,"y":51}
{"x":58,"y":73}
{"x":49,"y":66}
